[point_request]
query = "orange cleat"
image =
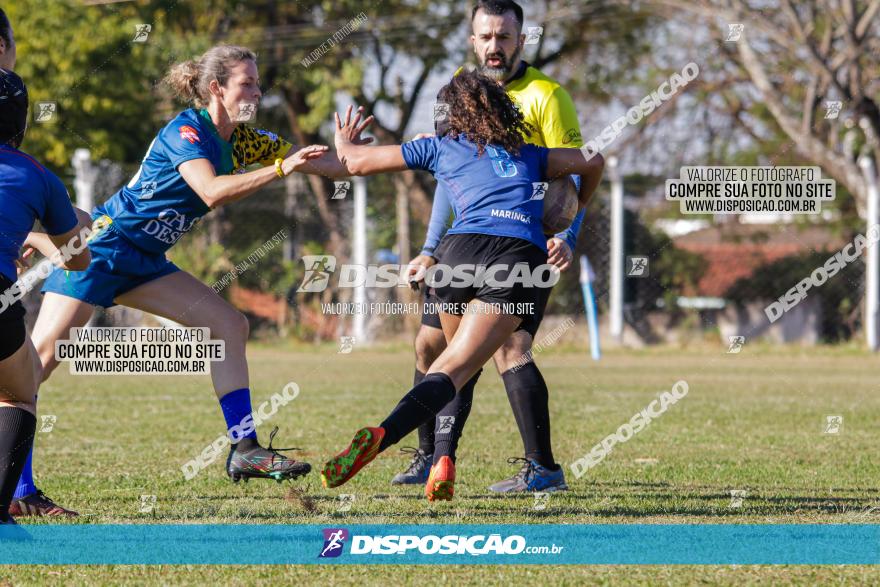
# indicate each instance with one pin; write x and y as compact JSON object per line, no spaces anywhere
{"x":363,"y":448}
{"x":441,"y":481}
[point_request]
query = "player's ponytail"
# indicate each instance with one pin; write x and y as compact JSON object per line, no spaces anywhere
{"x":183,"y":79}
{"x":189,"y":80}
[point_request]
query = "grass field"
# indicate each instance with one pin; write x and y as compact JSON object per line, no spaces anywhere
{"x":751,"y":421}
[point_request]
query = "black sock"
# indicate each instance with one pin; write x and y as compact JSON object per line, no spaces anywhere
{"x":452,"y":418}
{"x":426,"y":429}
{"x":527,"y":393}
{"x":17,"y":429}
{"x":419,"y":405}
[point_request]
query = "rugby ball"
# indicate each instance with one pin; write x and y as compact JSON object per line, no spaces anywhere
{"x":560,"y":205}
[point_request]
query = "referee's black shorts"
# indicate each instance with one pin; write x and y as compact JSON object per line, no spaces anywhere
{"x":12,"y":328}
{"x":488,"y":250}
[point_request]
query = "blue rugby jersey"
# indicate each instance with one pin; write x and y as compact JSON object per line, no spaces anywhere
{"x":28,"y":191}
{"x":496,"y":193}
{"x":158,"y":207}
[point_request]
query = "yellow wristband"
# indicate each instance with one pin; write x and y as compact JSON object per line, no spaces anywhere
{"x":278,"y":169}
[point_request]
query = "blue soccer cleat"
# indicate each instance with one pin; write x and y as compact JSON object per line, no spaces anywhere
{"x":531,"y":477}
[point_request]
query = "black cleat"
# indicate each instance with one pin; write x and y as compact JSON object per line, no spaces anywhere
{"x":263,"y":463}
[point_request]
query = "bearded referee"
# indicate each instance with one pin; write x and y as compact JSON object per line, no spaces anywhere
{"x":498,"y":43}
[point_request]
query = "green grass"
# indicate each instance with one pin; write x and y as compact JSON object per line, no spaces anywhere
{"x":751,"y":421}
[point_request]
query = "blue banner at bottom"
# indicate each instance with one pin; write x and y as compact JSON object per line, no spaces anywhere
{"x":554,"y":544}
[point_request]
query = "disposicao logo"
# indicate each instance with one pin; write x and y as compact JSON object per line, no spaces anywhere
{"x":334,"y":540}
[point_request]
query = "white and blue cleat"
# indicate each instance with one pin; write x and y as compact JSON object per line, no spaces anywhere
{"x":418,"y":470}
{"x":531,"y":477}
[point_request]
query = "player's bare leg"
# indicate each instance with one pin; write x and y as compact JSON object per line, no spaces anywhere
{"x":184,"y":299}
{"x":58,"y":314}
{"x":181,"y":297}
{"x":19,"y":380}
{"x":512,"y":352}
{"x":450,"y":421}
{"x":473,"y":339}
{"x":429,"y":343}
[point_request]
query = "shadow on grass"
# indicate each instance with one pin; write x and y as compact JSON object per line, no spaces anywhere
{"x":586,"y":500}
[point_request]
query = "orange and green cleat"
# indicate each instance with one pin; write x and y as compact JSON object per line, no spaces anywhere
{"x":441,"y":481}
{"x":363,"y":448}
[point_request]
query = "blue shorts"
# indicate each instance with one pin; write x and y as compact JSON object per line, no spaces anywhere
{"x":117,"y":267}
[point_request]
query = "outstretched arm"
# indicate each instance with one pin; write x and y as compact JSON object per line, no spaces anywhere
{"x":329,"y":164}
{"x":264,"y":147}
{"x":217,"y":190}
{"x":361,"y":159}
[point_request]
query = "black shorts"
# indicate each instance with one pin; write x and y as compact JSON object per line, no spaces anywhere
{"x":12,"y":329}
{"x":527,"y":302}
{"x":530,"y":323}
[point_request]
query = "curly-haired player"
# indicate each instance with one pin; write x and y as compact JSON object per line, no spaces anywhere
{"x":488,"y":171}
{"x":498,"y":42}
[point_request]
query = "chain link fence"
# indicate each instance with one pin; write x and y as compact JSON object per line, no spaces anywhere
{"x":711,"y":280}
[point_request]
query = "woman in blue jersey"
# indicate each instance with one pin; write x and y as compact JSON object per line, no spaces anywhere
{"x":489,"y":173}
{"x":195,"y":164}
{"x":28,"y":192}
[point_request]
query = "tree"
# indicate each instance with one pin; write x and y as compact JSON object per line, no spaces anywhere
{"x":791,"y":60}
{"x":84,"y":57}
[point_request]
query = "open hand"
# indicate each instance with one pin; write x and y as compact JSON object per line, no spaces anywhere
{"x":349,"y":132}
{"x":296,"y":161}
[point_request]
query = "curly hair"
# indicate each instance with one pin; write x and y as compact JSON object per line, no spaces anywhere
{"x":481,"y":111}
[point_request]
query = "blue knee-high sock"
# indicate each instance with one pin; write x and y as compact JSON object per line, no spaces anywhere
{"x":26,"y":482}
{"x":236,"y":406}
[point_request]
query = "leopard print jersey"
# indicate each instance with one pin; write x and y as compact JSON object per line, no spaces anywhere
{"x":256,"y":146}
